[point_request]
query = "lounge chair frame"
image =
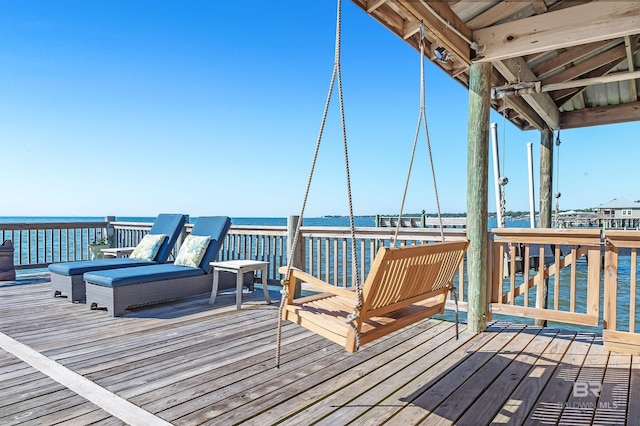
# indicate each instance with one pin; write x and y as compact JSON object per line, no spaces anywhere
{"x":73,"y":286}
{"x":118,"y":299}
{"x":140,"y":290}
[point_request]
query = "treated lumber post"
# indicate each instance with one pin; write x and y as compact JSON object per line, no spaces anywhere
{"x":298,"y":257}
{"x":546,"y":177}
{"x":546,"y":199}
{"x":477,"y":194}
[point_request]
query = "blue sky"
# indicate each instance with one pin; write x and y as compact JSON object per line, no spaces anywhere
{"x":133,"y":108}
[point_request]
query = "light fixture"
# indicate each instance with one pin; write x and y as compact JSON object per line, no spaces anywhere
{"x":442,"y":54}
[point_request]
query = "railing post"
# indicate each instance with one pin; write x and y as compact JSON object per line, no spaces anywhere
{"x":490,"y":274}
{"x":546,"y":185}
{"x":111,"y":231}
{"x":181,"y":237}
{"x":297,"y":261}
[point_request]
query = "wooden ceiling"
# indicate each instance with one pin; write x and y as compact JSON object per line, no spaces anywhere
{"x":556,"y":63}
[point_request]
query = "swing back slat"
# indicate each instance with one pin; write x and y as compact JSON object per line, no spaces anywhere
{"x":405,"y":285}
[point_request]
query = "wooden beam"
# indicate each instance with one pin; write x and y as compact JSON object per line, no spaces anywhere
{"x":584,"y":67}
{"x":573,"y":26}
{"x":567,"y":57}
{"x":622,"y":113}
{"x":432,"y":13}
{"x":374,"y":4}
{"x":539,"y":6}
{"x":515,"y":70}
{"x":560,"y":97}
{"x":584,"y":82}
{"x":632,"y":83}
{"x":410,"y":28}
{"x":525,"y":111}
{"x":496,"y":13}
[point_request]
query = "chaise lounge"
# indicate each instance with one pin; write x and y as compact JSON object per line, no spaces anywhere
{"x":154,"y":248}
{"x":189,"y":275}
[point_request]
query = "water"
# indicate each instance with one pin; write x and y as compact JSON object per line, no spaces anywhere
{"x":369,"y":221}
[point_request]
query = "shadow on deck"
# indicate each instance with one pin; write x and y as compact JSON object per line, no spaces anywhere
{"x":188,"y":362}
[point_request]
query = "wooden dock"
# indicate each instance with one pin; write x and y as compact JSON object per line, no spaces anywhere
{"x":191,"y":363}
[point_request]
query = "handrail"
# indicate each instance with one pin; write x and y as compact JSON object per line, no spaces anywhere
{"x":575,"y":264}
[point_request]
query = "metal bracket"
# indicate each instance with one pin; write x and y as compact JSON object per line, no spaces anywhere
{"x":516,"y":89}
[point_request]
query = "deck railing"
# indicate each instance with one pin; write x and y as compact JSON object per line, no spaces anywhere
{"x":563,"y":275}
{"x":549,"y":274}
{"x":36,"y":245}
{"x":570,"y":276}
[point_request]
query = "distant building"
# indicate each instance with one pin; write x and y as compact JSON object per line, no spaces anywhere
{"x":619,"y":213}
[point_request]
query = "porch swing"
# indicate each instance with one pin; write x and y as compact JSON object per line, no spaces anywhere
{"x":405,"y":284}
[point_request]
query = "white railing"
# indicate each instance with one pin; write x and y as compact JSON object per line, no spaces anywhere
{"x":584,"y":274}
{"x":36,"y":245}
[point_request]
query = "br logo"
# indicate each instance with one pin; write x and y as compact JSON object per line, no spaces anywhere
{"x":584,"y":389}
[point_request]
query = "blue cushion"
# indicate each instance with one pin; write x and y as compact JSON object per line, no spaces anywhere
{"x":142,"y":274}
{"x":216,"y":227}
{"x":82,"y":266}
{"x":171,"y":225}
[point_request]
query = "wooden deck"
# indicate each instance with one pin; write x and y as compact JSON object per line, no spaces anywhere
{"x":190,"y":363}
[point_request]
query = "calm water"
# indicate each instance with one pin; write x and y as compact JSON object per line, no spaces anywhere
{"x":360,"y":221}
{"x":369,"y":221}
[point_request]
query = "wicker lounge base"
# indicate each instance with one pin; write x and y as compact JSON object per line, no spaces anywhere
{"x":71,"y":286}
{"x":118,"y":299}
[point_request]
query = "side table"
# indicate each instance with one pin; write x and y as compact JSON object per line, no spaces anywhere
{"x":239,"y":267}
{"x":117,"y":252}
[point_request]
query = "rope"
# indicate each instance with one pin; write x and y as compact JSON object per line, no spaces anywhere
{"x":355,"y":270}
{"x":557,"y":178}
{"x":502,"y":179}
{"x":285,"y":293}
{"x":422,"y":118}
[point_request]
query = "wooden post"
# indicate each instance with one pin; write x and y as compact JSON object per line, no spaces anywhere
{"x":546,"y":203}
{"x":111,"y":231}
{"x":298,"y":257}
{"x":477,"y":194}
{"x":546,"y":178}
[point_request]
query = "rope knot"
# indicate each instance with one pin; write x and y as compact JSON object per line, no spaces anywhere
{"x":285,"y":288}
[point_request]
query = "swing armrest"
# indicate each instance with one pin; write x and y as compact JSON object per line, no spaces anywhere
{"x":319,"y":284}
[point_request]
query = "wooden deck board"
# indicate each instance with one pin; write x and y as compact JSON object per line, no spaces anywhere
{"x":191,"y":363}
{"x":39,"y":400}
{"x":490,"y":400}
{"x":550,"y":403}
{"x":340,"y":405}
{"x":445,"y":359}
{"x":516,"y":409}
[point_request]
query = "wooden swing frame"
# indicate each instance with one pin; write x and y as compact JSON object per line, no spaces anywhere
{"x":406,"y":284}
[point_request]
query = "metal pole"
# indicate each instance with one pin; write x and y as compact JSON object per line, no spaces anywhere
{"x":496,"y":172}
{"x":532,"y":201}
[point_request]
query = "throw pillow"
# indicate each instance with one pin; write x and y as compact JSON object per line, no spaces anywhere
{"x":148,"y":247}
{"x":192,"y":250}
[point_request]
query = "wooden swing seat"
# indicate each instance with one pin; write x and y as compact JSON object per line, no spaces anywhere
{"x":405,"y":285}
